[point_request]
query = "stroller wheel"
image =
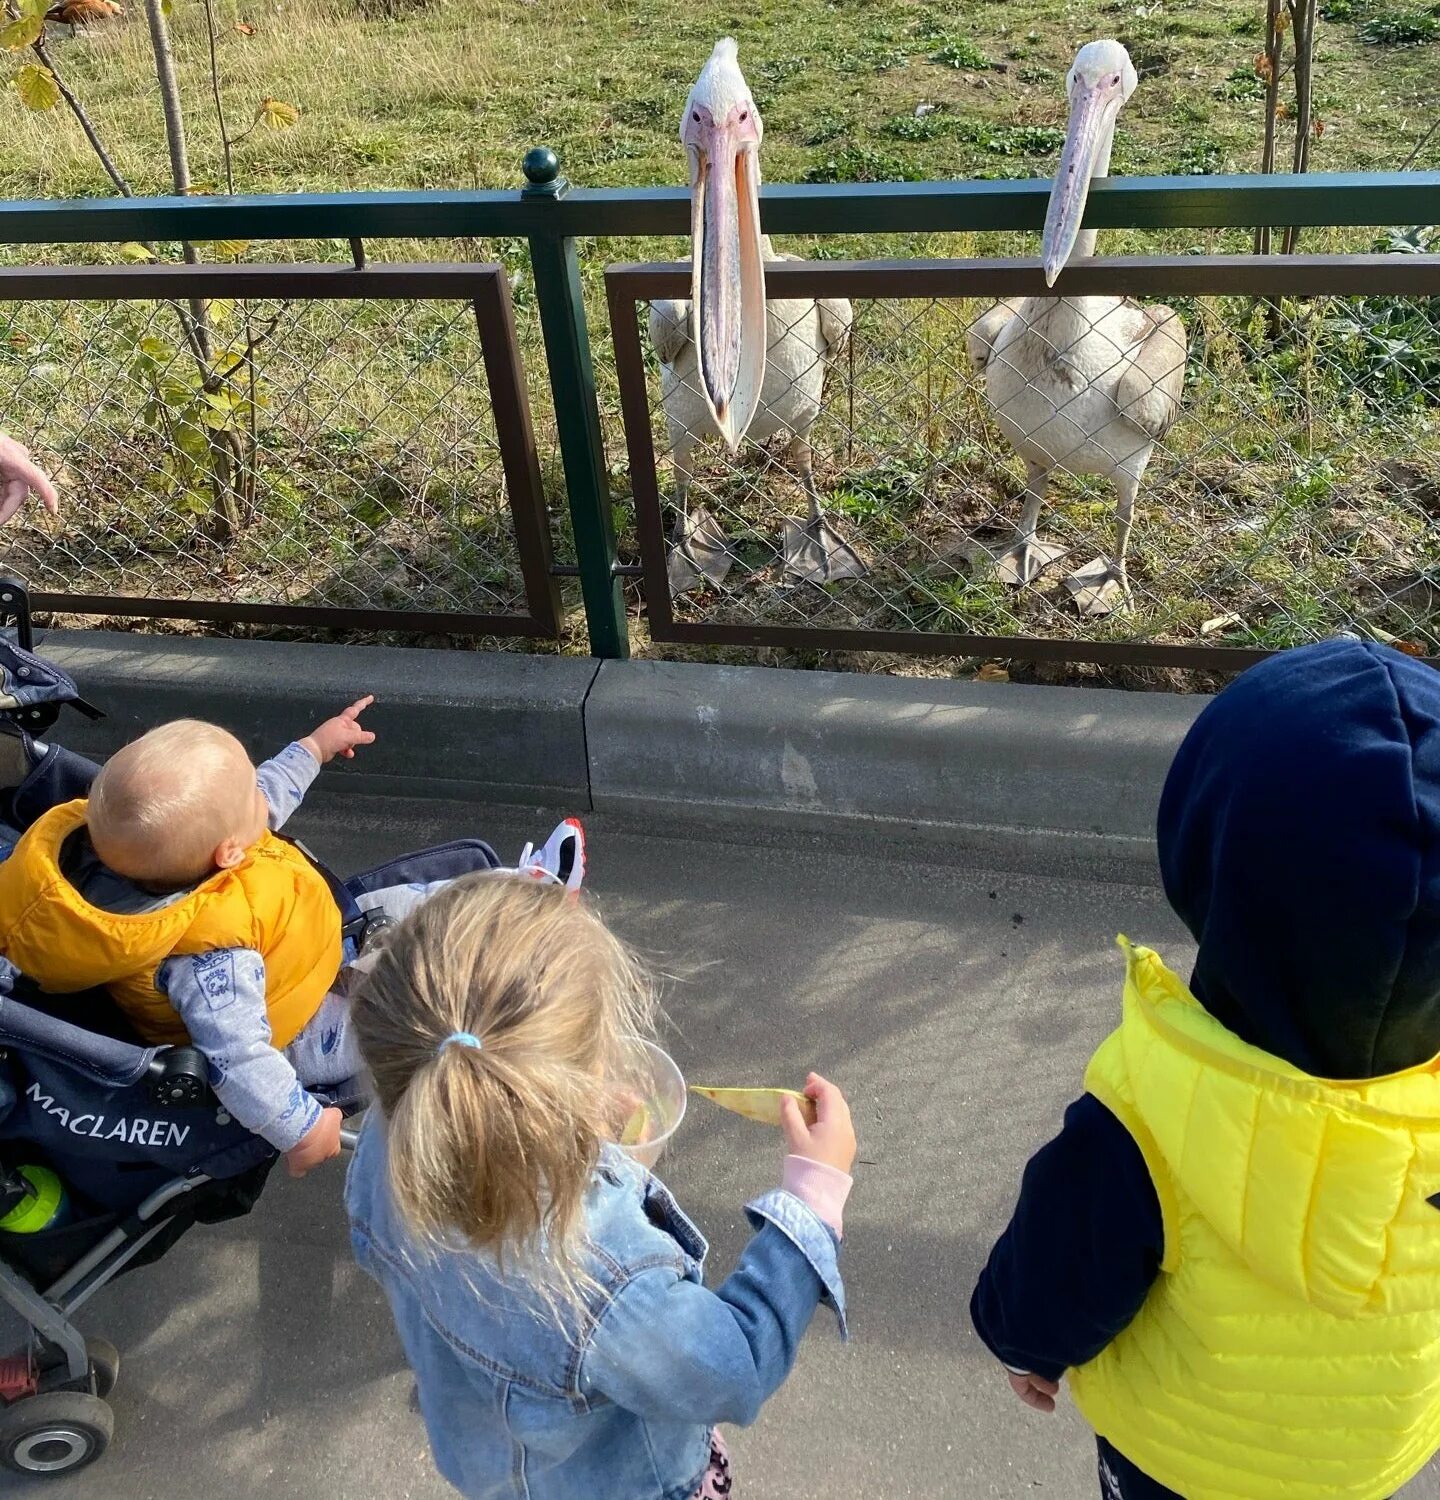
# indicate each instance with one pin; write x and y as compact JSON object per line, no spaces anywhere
{"x":104,"y":1365}
{"x":54,"y":1433}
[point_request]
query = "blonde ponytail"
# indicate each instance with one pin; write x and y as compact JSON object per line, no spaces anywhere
{"x":494,"y":1134}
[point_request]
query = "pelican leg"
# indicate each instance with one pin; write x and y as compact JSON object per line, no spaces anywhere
{"x":815,"y":552}
{"x":699,"y":552}
{"x":1102,"y":587}
{"x":1024,"y":561}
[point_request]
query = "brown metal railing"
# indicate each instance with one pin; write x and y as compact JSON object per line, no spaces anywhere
{"x":1252,"y":532}
{"x":433,"y":517}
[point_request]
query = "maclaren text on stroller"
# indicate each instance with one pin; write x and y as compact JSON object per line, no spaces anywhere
{"x":109,"y":1149}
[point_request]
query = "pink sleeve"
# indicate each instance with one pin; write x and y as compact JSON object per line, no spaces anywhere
{"x":820,"y":1188}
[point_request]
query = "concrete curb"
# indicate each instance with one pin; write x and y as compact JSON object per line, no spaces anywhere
{"x":998,"y":769}
{"x":1021,"y":775}
{"x":499,"y":726}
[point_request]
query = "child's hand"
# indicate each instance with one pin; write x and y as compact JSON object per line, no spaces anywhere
{"x":1035,"y":1390}
{"x":831,"y":1139}
{"x":318,"y":1144}
{"x":340,"y":735}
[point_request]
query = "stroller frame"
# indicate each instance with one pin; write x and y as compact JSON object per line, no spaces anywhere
{"x":54,"y":1418}
{"x":48,"y":1311}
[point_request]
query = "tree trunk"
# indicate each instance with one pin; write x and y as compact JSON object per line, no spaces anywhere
{"x":1274,"y":44}
{"x":225,"y":509}
{"x":1302,"y":15}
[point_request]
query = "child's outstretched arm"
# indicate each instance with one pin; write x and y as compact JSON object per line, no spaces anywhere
{"x":669,"y":1349}
{"x":1078,"y":1258}
{"x":286,"y":777}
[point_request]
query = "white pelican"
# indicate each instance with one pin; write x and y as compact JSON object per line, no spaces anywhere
{"x":732,"y":365}
{"x":1087,"y":385}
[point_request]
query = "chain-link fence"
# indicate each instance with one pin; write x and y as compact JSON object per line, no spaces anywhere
{"x":294,"y":457}
{"x":929,"y":469}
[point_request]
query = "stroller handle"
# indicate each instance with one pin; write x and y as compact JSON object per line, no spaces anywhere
{"x":349,"y":1139}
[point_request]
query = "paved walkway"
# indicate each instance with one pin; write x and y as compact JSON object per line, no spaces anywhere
{"x":956,"y":1007}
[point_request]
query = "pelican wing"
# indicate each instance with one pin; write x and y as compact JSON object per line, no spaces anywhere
{"x":1151,"y":384}
{"x":669,"y":329}
{"x":837,"y":318}
{"x":984,"y":332}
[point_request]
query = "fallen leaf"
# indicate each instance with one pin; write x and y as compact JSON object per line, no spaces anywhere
{"x":992,"y":671}
{"x":1220,"y":622}
{"x":1317,"y":126}
{"x":244,"y":28}
{"x":1410,"y":648}
{"x":134,"y":252}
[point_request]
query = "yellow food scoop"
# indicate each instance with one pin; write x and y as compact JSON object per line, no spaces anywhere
{"x":757,"y":1104}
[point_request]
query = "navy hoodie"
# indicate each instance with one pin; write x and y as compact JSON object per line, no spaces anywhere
{"x":1299,"y":841}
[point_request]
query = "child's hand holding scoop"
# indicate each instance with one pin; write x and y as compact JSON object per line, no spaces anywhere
{"x":816,"y":1123}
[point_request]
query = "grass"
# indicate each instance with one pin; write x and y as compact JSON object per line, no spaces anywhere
{"x":450,"y":94}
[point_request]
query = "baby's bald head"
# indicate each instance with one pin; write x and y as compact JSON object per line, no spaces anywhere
{"x":175,"y":805}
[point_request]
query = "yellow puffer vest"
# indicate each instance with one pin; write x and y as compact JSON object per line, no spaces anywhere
{"x":1290,"y":1348}
{"x":275,"y":902}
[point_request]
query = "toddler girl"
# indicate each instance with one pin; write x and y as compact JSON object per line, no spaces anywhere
{"x":547,"y":1289}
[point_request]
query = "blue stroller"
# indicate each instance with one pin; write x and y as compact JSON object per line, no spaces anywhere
{"x":140,"y":1142}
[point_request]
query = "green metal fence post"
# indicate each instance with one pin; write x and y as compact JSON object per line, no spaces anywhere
{"x":577,"y":413}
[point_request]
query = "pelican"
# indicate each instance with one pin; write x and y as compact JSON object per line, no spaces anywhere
{"x":731,"y":365}
{"x":1087,"y":385}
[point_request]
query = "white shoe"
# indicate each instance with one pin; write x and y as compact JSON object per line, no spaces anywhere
{"x":560,"y":858}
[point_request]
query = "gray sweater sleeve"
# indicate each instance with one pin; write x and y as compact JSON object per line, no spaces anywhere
{"x":285,"y":778}
{"x":220,"y":997}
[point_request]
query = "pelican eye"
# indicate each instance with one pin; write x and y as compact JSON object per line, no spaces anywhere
{"x":695,"y":115}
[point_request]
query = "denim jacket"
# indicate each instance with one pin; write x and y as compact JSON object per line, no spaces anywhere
{"x":617,"y":1397}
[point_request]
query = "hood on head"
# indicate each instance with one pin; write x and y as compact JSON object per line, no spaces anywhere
{"x":1299,"y":840}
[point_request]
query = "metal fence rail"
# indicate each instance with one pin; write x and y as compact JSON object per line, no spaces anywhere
{"x":1295,"y":494}
{"x":371,"y":432}
{"x":482,"y":569}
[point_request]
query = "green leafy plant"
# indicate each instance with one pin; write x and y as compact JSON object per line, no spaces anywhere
{"x":1024,"y":140}
{"x":1242,"y":83}
{"x":1399,"y":28}
{"x":920,"y":127}
{"x":960,"y":53}
{"x":860,"y":164}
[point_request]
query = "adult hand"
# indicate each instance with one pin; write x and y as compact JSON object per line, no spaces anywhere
{"x":20,"y":476}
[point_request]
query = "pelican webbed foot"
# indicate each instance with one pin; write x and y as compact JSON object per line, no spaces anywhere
{"x":815,"y":552}
{"x":1026,"y":560}
{"x":1100,"y":588}
{"x":699,"y":553}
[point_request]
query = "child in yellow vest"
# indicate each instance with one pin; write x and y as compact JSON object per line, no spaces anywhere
{"x":1232,"y":1249}
{"x":169,"y":887}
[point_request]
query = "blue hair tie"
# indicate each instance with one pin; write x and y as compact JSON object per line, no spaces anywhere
{"x":462,"y":1039}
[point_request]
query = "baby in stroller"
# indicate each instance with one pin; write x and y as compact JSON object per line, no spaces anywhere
{"x":170,"y":887}
{"x":103,"y":1092}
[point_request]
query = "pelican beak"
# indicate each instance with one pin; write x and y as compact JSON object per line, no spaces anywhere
{"x":1093,"y":108}
{"x":727,"y":267}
